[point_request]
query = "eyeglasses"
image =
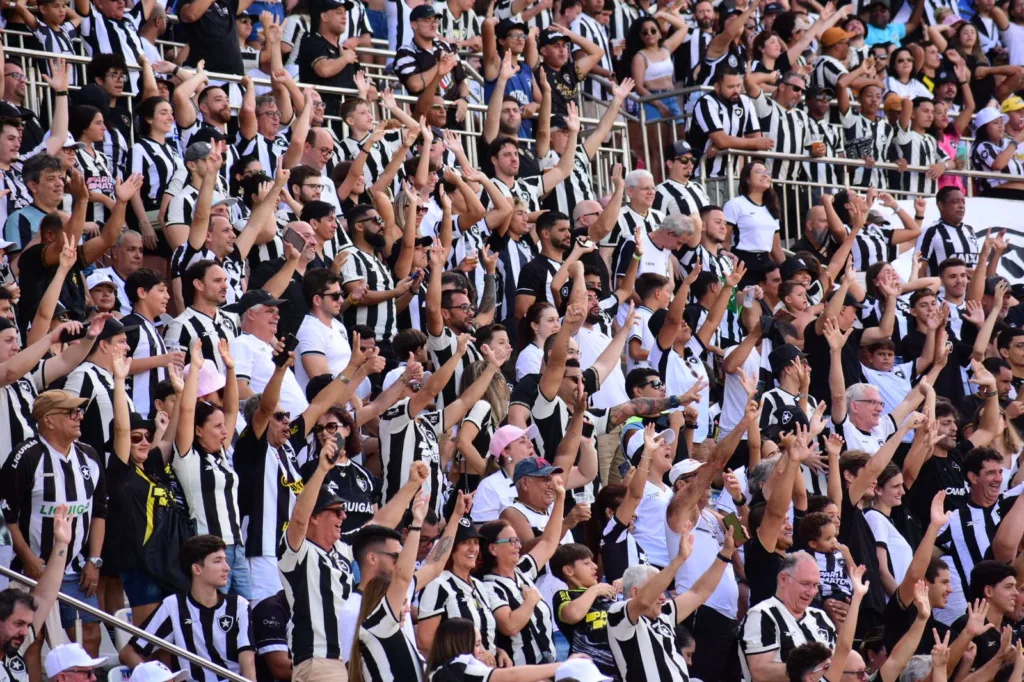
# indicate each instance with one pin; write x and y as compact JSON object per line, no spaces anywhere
{"x":116,"y":76}
{"x":394,"y":555}
{"x":73,"y":413}
{"x":515,"y":35}
{"x":806,"y":584}
{"x":270,"y":114}
{"x":650,"y":32}
{"x":139,"y":437}
{"x":375,"y":218}
{"x":18,"y":76}
{"x":329,"y":427}
{"x":244,"y":20}
{"x":873,"y":403}
{"x":336,"y":295}
{"x":654,"y":383}
{"x":325,"y":151}
{"x":465,"y":307}
{"x":283,"y":417}
{"x":87,"y":673}
{"x":515,"y":542}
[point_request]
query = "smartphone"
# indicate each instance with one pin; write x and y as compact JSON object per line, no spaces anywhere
{"x":748,"y":298}
{"x":339,"y":440}
{"x":624,"y":468}
{"x":732,"y":521}
{"x":290,"y":344}
{"x":416,"y":275}
{"x":584,"y":242}
{"x":295,"y":239}
{"x":67,"y":336}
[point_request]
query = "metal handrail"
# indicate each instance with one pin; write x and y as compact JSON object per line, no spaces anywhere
{"x":884,"y":165}
{"x":223,"y":673}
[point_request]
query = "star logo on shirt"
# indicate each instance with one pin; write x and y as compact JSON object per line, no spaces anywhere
{"x":226,"y":622}
{"x":16,"y":664}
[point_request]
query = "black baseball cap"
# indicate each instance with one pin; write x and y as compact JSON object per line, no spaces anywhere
{"x":328,"y":5}
{"x":550,"y":35}
{"x":207,"y":134}
{"x":534,"y":467}
{"x":815,"y":89}
{"x":426,"y":11}
{"x":782,"y":355}
{"x":507,"y":25}
{"x":850,"y":299}
{"x":325,"y":499}
{"x":252,"y":298}
{"x":112,"y":328}
{"x":991,"y":282}
{"x":677,"y":149}
{"x":791,"y":266}
{"x":789,"y":417}
{"x":558,"y":122}
{"x":774,"y":8}
{"x":943,"y":77}
{"x":466,"y":531}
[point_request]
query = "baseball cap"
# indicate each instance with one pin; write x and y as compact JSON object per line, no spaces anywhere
{"x":112,"y":328}
{"x":850,"y":299}
{"x":6,"y":244}
{"x":534,"y":467}
{"x":137,"y":421}
{"x":155,"y":671}
{"x":551,"y":35}
{"x":987,"y":115}
{"x":686,"y":466}
{"x":790,"y":417}
{"x":893,"y":102}
{"x":210,"y":380}
{"x":581,"y":670}
{"x":326,"y":498}
{"x":1012,"y":103}
{"x":875,"y":217}
{"x":835,"y":35}
{"x":508,"y":434}
{"x":99,"y":277}
{"x":197,"y":151}
{"x":791,"y":266}
{"x":558,"y":122}
{"x":943,"y":77}
{"x":68,"y":656}
{"x":207,"y":134}
{"x":55,"y":400}
{"x":991,"y":282}
{"x":8,"y":110}
{"x":507,"y":25}
{"x":782,"y":355}
{"x":814,"y":90}
{"x":677,"y":149}
{"x":328,"y":5}
{"x":774,"y":8}
{"x":426,"y":11}
{"x":466,"y":531}
{"x":635,"y":445}
{"x":251,"y":298}
{"x":70,"y":143}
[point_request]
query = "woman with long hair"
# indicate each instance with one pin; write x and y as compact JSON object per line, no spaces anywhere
{"x":526,"y":627}
{"x":382,"y":650}
{"x":157,"y":159}
{"x":88,"y":127}
{"x":539,"y":322}
{"x":648,"y":59}
{"x":997,"y":153}
{"x":901,"y":78}
{"x":754,"y":217}
{"x":894,"y":552}
{"x":204,"y":468}
{"x":987,"y":81}
{"x":948,"y":130}
{"x":459,"y":655}
{"x":479,"y":425}
{"x":609,"y":532}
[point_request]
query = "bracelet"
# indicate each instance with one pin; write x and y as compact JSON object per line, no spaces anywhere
{"x":637,"y":256}
{"x":414,"y":529}
{"x":673,"y":401}
{"x":350,"y":300}
{"x":175,"y":71}
{"x":987,"y":394}
{"x":740,"y":502}
{"x":363,"y":150}
{"x":60,"y":93}
{"x":963,"y":82}
{"x":344,"y":379}
{"x":723,"y":558}
{"x":490,"y":275}
{"x":691,"y":427}
{"x":918,"y":217}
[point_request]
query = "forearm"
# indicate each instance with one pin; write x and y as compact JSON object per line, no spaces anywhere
{"x":47,"y":306}
{"x":276,"y":285}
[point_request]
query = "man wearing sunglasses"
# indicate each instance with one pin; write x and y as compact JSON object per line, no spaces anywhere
{"x":679,"y":194}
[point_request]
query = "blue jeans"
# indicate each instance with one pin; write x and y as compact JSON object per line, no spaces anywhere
{"x":68,"y":614}
{"x":378,"y":23}
{"x":652,"y":113}
{"x":238,"y":579}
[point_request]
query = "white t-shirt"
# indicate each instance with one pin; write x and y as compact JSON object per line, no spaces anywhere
{"x":316,"y":338}
{"x":494,"y":493}
{"x":708,"y":541}
{"x":529,"y":361}
{"x":641,"y":331}
{"x":734,"y":397}
{"x":254,"y":361}
{"x":592,"y":343}
{"x":681,"y":374}
{"x":1013,"y":40}
{"x":649,"y":529}
{"x":870,"y":441}
{"x":900,"y":552}
{"x":755,"y":227}
{"x":911,"y":90}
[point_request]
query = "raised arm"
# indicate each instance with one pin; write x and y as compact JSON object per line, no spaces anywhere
{"x":674,"y":318}
{"x":556,"y":175}
{"x":924,"y":552}
{"x":649,"y":592}
{"x":554,"y":369}
{"x":458,"y":408}
{"x":907,"y":645}
{"x":295,"y":534}
{"x":184,"y":437}
{"x":93,"y":249}
{"x":777,"y":506}
{"x":718,"y":308}
{"x":868,"y":474}
{"x":619,"y":94}
{"x":844,"y":641}
{"x":122,"y":437}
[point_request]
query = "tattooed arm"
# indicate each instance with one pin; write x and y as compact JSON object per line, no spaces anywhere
{"x":641,"y":407}
{"x":438,"y":557}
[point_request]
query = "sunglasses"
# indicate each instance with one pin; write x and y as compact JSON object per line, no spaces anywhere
{"x":655,"y":383}
{"x":798,"y":88}
{"x":334,"y":295}
{"x":421,"y":209}
{"x":283,"y":417}
{"x":650,"y":32}
{"x":376,"y":219}
{"x":139,"y":437}
{"x":329,"y":427}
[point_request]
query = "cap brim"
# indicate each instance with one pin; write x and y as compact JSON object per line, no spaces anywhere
{"x":334,"y":501}
{"x":227,"y":201}
{"x":127,"y":328}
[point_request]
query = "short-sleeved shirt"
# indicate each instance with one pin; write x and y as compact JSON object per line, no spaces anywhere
{"x":647,"y":645}
{"x":411,"y":59}
{"x":214,"y":38}
{"x":315,"y":47}
{"x":269,"y":632}
{"x":590,"y":635}
{"x":770,"y":627}
{"x":254,"y":362}
{"x":534,"y":643}
{"x":755,"y":227}
{"x":449,"y":596}
{"x":565,"y":86}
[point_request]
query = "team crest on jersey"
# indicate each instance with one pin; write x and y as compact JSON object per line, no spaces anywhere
{"x":900,"y":374}
{"x":15,"y":664}
{"x":361,"y":482}
{"x":226,"y":623}
{"x":86,"y":474}
{"x":733,"y":62}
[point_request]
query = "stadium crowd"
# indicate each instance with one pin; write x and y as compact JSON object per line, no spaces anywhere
{"x":294,"y":384}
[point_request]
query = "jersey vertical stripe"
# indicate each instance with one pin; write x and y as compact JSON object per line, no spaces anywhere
{"x":675,"y":198}
{"x":192,"y":325}
{"x":380,"y":317}
{"x":210,"y":485}
{"x":144,"y":342}
{"x":157,"y":162}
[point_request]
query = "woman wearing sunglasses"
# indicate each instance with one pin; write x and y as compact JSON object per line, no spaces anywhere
{"x":146,"y":523}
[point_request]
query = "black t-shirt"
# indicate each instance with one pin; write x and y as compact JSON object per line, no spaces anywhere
{"x":296,"y":310}
{"x":33,"y":133}
{"x":315,"y":47}
{"x":269,"y":632}
{"x":214,"y":38}
{"x":35,"y":278}
{"x":590,"y":635}
{"x":353,"y":484}
{"x":987,"y":643}
{"x":565,"y":86}
{"x":855,"y":533}
{"x":762,"y":569}
{"x":940,"y":473}
{"x":819,"y":356}
{"x":899,"y":618}
{"x":535,"y":277}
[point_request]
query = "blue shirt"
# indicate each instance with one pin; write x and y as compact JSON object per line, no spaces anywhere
{"x":519,"y":86}
{"x":893,"y":33}
{"x":22,"y":225}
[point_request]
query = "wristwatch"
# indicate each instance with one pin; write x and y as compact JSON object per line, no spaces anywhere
{"x":96,"y":561}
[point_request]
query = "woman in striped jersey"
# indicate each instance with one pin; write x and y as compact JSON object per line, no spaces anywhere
{"x":458,"y":655}
{"x":88,"y":128}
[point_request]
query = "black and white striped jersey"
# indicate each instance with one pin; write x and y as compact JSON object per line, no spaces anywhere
{"x":387,"y":653}
{"x":144,"y":342}
{"x":265,"y":149}
{"x":380,"y":317}
{"x":770,"y":627}
{"x":826,"y":72}
{"x":835,"y":583}
{"x":919,"y":149}
{"x":379,"y":157}
{"x":16,"y":399}
{"x":984,"y":154}
{"x":933,"y":6}
{"x":400,"y":30}
{"x":96,"y":384}
{"x":210,"y":485}
{"x":316,"y":582}
{"x":530,"y":189}
{"x":535,"y":641}
{"x":535,"y":279}
{"x":104,"y":35}
{"x":576,"y":188}
{"x":115,"y":146}
{"x":185,"y":257}
{"x":37,"y":480}
{"x":441,"y":349}
{"x":455,"y":28}
{"x":790,"y":130}
{"x":619,"y":550}
{"x":18,"y":197}
{"x":942,"y":241}
{"x":358,"y":23}
{"x":778,"y":398}
{"x":405,"y":439}
{"x":294,"y":29}
{"x":729,"y":332}
{"x":646,"y":649}
{"x":449,"y":596}
{"x":719,"y":263}
{"x":690,"y":55}
{"x":874,"y":137}
{"x":96,"y":170}
{"x":627,"y":223}
{"x":676,"y":198}
{"x":589,"y":28}
{"x":826,"y":174}
{"x":503,"y":10}
{"x":711,"y":115}
{"x":516,"y":255}
{"x":192,"y":325}
{"x":734,"y":58}
{"x":61,"y":41}
{"x":873,"y":244}
{"x":218,"y":634}
{"x":157,"y":162}
{"x":123,"y":303}
{"x":623,"y":16}
{"x":968,"y":534}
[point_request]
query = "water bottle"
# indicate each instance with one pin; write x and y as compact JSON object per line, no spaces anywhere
{"x":961,"y":153}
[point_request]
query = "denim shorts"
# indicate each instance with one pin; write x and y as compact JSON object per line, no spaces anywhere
{"x":652,"y":113}
{"x":69,"y":614}
{"x":141,"y":589}
{"x":378,"y":23}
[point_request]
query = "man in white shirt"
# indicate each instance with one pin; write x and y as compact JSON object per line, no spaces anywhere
{"x":323,"y":341}
{"x":254,"y":350}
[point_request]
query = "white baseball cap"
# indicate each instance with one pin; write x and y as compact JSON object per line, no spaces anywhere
{"x":635,"y":445}
{"x":67,"y":656}
{"x":581,"y":669}
{"x":686,"y":466}
{"x":155,"y":671}
{"x":99,"y":277}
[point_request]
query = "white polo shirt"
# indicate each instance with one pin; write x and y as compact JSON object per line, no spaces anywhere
{"x":254,"y":362}
{"x":592,"y":343}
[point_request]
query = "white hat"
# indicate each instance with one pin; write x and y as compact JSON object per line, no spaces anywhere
{"x":71,"y":143}
{"x":68,"y":656}
{"x":155,"y":671}
{"x":4,"y":244}
{"x":99,"y":277}
{"x":987,"y":115}
{"x":636,"y":442}
{"x":581,"y":669}
{"x":687,"y":466}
